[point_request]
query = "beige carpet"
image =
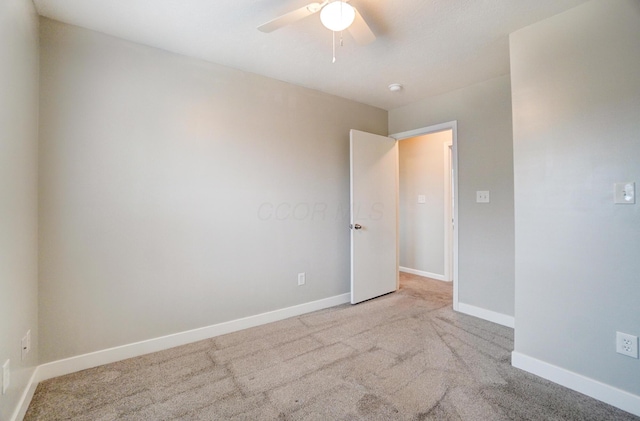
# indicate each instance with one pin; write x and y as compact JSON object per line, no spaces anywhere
{"x":404,"y":356}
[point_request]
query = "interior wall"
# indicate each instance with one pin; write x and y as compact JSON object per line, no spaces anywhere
{"x":576,"y":102}
{"x":485,"y":162}
{"x":422,"y":224}
{"x":177,"y":193}
{"x":18,"y":193}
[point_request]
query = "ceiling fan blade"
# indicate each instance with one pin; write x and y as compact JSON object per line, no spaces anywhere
{"x":360,"y":31}
{"x":290,"y":17}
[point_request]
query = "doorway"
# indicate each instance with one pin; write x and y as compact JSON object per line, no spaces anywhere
{"x":427,"y":203}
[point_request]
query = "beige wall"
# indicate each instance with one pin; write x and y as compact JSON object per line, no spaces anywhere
{"x":18,"y":192}
{"x":422,"y":163}
{"x":485,"y":162}
{"x":576,"y":103}
{"x":177,"y":193}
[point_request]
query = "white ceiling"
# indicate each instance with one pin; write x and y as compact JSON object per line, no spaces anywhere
{"x":429,"y":46}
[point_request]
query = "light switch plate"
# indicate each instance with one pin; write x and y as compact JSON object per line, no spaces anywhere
{"x":624,"y":193}
{"x":482,"y":196}
{"x":422,"y":198}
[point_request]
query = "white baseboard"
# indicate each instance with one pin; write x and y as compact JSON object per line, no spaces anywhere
{"x":25,"y":399}
{"x":491,"y":316}
{"x":106,"y":356}
{"x":422,"y":273}
{"x":585,"y":385}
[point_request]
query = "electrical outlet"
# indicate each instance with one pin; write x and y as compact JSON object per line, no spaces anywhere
{"x":627,"y":344}
{"x":6,"y":376}
{"x":302,"y":278}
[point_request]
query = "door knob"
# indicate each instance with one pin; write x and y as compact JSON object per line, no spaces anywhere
{"x":356,"y":227}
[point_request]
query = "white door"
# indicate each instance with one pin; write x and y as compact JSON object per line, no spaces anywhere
{"x":374,"y":210}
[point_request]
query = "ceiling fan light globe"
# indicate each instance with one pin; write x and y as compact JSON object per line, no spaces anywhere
{"x":337,"y":16}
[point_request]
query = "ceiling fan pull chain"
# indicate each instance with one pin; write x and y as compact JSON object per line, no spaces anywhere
{"x":333,"y":44}
{"x":341,"y":40}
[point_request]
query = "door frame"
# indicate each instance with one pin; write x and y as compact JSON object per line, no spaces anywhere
{"x":448,"y":210}
{"x":453,"y":126}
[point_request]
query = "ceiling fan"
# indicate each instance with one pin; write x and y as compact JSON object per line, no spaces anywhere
{"x":336,"y":16}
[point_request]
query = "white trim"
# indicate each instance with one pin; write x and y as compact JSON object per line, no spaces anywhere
{"x":351,"y":218}
{"x":448,"y":210}
{"x":25,"y":399}
{"x":397,"y":150}
{"x":422,"y":273}
{"x":425,"y":130}
{"x":453,"y":126}
{"x":491,"y":316}
{"x":456,"y":221}
{"x":574,"y":381}
{"x":106,"y":356}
